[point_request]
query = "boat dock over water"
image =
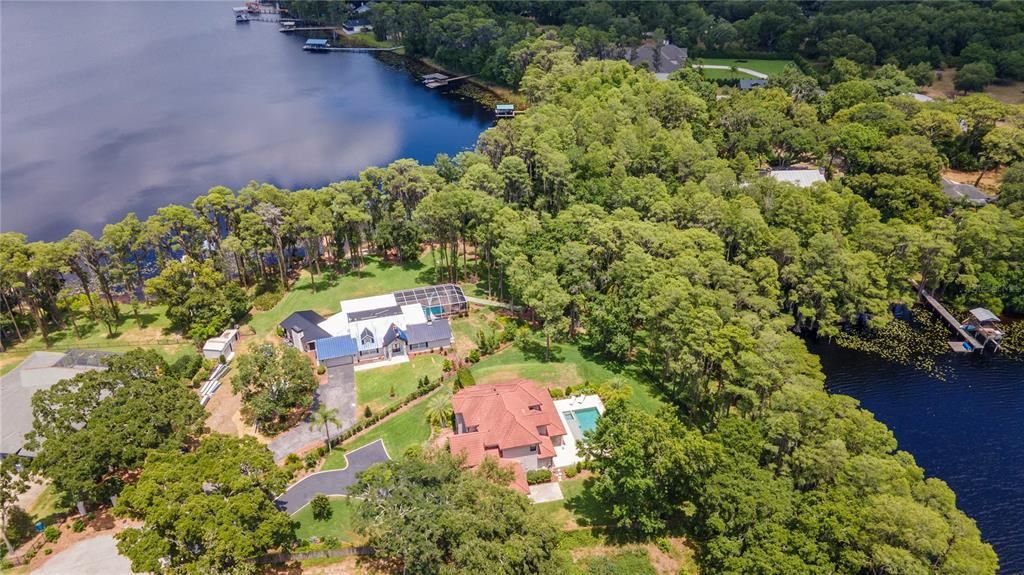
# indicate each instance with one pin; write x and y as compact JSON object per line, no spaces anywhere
{"x":320,"y":45}
{"x":438,"y":80}
{"x":978,"y":331}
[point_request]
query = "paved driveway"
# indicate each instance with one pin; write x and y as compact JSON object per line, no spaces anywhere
{"x":334,"y":482}
{"x":96,"y":556}
{"x":338,"y":393}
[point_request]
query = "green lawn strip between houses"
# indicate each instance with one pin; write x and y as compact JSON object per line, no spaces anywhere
{"x":399,"y":432}
{"x":374,"y":386}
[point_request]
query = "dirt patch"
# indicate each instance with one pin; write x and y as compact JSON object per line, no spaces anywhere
{"x":676,"y":558}
{"x":102,"y":524}
{"x":942,"y":89}
{"x":989,"y":183}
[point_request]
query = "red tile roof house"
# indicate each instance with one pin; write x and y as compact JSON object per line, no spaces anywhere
{"x":515,"y":422}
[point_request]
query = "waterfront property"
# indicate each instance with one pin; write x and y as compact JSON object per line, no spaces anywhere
{"x":505,"y":110}
{"x":388,"y":327}
{"x":222,"y":345}
{"x":356,"y":25}
{"x":516,"y":423}
{"x":316,"y":45}
{"x":41,"y":370}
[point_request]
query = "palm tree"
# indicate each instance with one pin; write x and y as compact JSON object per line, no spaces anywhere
{"x":439,"y":411}
{"x":322,"y":419}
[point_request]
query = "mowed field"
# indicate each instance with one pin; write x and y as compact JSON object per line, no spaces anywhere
{"x":769,"y":67}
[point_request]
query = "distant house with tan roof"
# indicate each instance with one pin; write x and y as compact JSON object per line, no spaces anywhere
{"x":515,"y":422}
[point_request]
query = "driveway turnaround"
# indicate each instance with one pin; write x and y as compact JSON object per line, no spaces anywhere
{"x":335,"y":481}
{"x":338,"y":393}
{"x":96,"y":556}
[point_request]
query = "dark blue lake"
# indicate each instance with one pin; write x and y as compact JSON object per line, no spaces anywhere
{"x":111,"y":107}
{"x":967,"y":430}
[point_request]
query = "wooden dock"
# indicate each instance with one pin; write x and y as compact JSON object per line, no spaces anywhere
{"x":439,"y":81}
{"x":952,"y":321}
{"x":354,"y":49}
{"x":307,"y":29}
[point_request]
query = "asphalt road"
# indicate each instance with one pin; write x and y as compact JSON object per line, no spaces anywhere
{"x":334,"y":482}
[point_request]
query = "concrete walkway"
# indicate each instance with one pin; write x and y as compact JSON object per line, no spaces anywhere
{"x":338,"y":393}
{"x":335,"y":481}
{"x":753,"y":73}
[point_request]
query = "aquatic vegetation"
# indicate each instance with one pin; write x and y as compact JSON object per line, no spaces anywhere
{"x":916,"y":342}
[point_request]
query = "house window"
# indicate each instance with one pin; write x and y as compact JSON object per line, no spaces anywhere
{"x":396,"y":347}
{"x":535,"y":407}
{"x":366,"y":337}
{"x":542,"y":429}
{"x":533,"y":449}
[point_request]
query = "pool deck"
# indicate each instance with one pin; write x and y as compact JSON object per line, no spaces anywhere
{"x":566,"y":454}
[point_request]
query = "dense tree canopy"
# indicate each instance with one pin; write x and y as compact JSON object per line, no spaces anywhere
{"x":274,"y":382}
{"x":431,"y":516}
{"x":206,"y":511}
{"x":91,"y":431}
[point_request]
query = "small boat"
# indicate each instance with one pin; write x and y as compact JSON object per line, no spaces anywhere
{"x":241,"y":15}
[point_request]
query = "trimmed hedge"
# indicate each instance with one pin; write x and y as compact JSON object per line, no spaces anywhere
{"x":538,"y":476}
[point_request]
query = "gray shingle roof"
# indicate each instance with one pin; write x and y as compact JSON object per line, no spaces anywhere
{"x":305,"y":321}
{"x":672,"y":57}
{"x":437,"y":330}
{"x":963,"y":192}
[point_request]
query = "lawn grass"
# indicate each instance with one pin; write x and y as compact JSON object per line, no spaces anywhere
{"x":769,"y":67}
{"x":568,"y":366}
{"x":399,"y":432}
{"x":45,"y":506}
{"x":373,"y":386}
{"x":578,"y":508}
{"x":465,"y":329}
{"x":339,"y":525}
{"x":150,"y":331}
{"x":375,"y":278}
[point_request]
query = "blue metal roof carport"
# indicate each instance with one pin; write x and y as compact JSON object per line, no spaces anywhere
{"x":335,"y":347}
{"x":315,"y":42}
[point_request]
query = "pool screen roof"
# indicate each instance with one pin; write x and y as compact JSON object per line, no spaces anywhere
{"x":443,"y":295}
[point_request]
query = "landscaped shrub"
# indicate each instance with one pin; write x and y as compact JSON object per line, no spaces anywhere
{"x":538,"y":476}
{"x":47,"y":551}
{"x":464,"y":378}
{"x":556,"y":392}
{"x":78,"y":526}
{"x":186,"y":366}
{"x":572,"y":470}
{"x":367,"y":412}
{"x":321,"y":369}
{"x":321,"y":506}
{"x":279,"y":331}
{"x":474,"y":356}
{"x":447,"y":366}
{"x":266,"y":300}
{"x":20,"y":527}
{"x":51,"y":534}
{"x":292,"y":458}
{"x":311,"y":460}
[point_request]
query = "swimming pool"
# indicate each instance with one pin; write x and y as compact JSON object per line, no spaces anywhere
{"x":581,"y":420}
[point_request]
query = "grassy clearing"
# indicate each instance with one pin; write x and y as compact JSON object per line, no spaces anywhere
{"x":578,"y":509}
{"x":376,"y":277}
{"x":343,"y":509}
{"x":399,"y":432}
{"x":45,"y":506}
{"x":769,"y":67}
{"x":466,"y":328}
{"x":568,"y":366}
{"x":374,"y":386}
{"x":150,"y":331}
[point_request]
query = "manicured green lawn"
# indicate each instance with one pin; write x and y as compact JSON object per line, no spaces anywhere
{"x":579,"y":508}
{"x":770,"y":67}
{"x":399,"y":432}
{"x":373,"y":387}
{"x":568,"y":366}
{"x":376,"y":277}
{"x":339,"y":525}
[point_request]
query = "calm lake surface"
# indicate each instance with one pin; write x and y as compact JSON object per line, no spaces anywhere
{"x":112,"y":107}
{"x":967,"y":430}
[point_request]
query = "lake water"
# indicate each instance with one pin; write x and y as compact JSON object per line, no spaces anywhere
{"x":967,"y":430}
{"x":112,"y":107}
